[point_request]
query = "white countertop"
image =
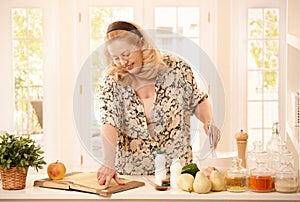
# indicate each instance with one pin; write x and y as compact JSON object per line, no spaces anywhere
{"x":145,"y":193}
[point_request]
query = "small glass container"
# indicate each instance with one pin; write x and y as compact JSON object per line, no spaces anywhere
{"x":286,"y":154}
{"x":286,"y":178}
{"x":254,"y":154}
{"x":236,"y":177}
{"x":261,"y":179}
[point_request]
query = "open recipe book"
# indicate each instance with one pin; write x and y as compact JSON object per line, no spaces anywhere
{"x":87,"y":182}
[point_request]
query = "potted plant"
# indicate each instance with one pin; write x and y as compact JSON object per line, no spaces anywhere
{"x":17,"y":153}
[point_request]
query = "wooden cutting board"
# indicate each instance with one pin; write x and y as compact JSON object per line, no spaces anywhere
{"x":87,"y":182}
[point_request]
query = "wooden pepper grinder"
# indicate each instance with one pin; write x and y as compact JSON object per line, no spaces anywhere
{"x":241,"y":141}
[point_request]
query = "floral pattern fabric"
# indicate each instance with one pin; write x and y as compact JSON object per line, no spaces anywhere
{"x":175,"y":100}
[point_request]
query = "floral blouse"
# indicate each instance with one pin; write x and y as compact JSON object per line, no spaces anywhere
{"x":175,"y":100}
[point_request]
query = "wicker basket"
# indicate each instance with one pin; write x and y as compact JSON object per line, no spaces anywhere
{"x":13,"y":179}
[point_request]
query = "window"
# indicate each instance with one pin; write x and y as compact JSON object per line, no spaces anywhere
{"x":27,"y":33}
{"x":29,"y":79}
{"x":258,"y":79}
{"x":262,"y":72}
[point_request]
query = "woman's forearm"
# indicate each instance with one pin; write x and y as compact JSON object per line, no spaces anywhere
{"x":110,"y":133}
{"x":204,"y":114}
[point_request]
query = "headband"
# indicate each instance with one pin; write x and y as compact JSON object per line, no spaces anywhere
{"x":122,"y":25}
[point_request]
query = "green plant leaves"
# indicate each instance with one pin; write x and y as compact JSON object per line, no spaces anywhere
{"x":19,"y":151}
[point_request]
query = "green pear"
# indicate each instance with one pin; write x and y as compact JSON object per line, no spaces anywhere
{"x":185,"y":182}
{"x":202,"y":184}
{"x":217,"y":181}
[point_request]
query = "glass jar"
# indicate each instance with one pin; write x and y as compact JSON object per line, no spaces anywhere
{"x":286,"y":177}
{"x":285,"y":154}
{"x":236,"y":177}
{"x":253,"y":155}
{"x":261,"y":178}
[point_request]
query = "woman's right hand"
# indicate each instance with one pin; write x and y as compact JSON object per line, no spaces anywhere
{"x":106,"y":174}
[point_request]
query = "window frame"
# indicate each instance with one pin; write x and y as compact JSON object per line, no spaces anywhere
{"x":239,"y":54}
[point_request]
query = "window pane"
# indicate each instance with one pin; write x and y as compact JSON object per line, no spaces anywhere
{"x":163,"y":22}
{"x":35,"y":60}
{"x":255,"y":85}
{"x":271,"y":54}
{"x":254,"y":115}
{"x":100,"y":18}
{"x":21,"y":121}
{"x":271,"y":17}
{"x":19,"y":23}
{"x":35,"y":23}
{"x":254,"y":135}
{"x":255,"y":23}
{"x":255,"y":54}
{"x":196,"y":41}
{"x":271,"y":85}
{"x":267,"y":135}
{"x":188,"y":21}
{"x":271,"y":114}
{"x":20,"y":54}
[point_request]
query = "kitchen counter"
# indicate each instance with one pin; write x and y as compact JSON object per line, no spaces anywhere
{"x":145,"y":193}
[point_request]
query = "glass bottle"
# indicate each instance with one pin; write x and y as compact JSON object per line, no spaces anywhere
{"x":236,"y":177}
{"x":274,"y":147}
{"x":261,"y":179}
{"x":175,"y":171}
{"x":160,"y":167}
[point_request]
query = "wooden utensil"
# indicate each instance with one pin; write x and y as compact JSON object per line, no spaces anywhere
{"x":241,"y":140}
{"x":156,"y":186}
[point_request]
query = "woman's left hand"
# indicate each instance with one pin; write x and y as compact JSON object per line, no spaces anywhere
{"x":106,"y":174}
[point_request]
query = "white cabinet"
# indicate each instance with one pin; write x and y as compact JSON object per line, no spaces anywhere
{"x":293,"y":72}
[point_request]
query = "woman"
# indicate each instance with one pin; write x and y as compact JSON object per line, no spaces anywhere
{"x":145,"y":103}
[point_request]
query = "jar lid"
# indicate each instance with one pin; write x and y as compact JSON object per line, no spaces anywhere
{"x":261,"y":169}
{"x":236,"y":170}
{"x":160,"y":152}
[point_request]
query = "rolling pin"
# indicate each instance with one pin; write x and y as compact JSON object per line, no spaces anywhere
{"x":241,"y":141}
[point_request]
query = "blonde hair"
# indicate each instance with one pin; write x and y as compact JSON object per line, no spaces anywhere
{"x":152,"y":59}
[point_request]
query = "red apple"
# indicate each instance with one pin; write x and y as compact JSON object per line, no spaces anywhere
{"x":208,"y":170}
{"x":56,"y":170}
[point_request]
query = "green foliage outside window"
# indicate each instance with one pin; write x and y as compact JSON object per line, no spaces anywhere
{"x":263,"y":35}
{"x":27,"y":32}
